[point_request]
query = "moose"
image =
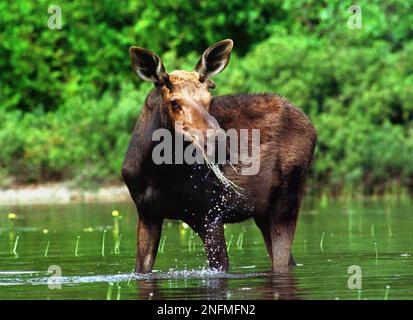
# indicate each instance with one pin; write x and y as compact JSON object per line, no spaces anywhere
{"x":188,"y":192}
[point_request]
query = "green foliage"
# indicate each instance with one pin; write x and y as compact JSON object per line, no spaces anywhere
{"x":68,"y":103}
{"x":85,"y":138}
{"x":359,"y":98}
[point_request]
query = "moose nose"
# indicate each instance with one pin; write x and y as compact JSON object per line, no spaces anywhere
{"x":212,"y":123}
{"x":213,"y":135}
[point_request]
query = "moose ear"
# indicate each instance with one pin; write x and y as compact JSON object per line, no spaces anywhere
{"x":149,"y":66}
{"x":214,"y":59}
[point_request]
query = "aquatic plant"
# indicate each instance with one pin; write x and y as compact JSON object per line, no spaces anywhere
{"x":230,"y":242}
{"x":118,"y":294}
{"x":240,"y":240}
{"x":386,"y":293}
{"x":47,"y":248}
{"x":77,"y":246}
{"x":131,"y":275}
{"x":116,"y":216}
{"x":11,"y":216}
{"x":109,"y":292}
{"x":191,"y":242}
{"x":103,"y":242}
{"x":117,"y":244}
{"x":375,"y":249}
{"x":218,"y":173}
{"x":162,"y":245}
{"x":15,"y":246}
{"x":322,"y":242}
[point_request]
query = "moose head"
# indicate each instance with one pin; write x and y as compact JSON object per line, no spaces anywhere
{"x":186,"y":96}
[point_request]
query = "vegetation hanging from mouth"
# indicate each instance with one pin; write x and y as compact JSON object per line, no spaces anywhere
{"x":218,"y":173}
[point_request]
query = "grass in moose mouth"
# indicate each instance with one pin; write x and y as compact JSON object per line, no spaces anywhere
{"x":92,"y":253}
{"x":217,"y":172}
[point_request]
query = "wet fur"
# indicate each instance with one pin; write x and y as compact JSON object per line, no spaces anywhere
{"x":191,"y":194}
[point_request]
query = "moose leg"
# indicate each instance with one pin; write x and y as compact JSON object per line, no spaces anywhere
{"x":286,"y":203}
{"x":149,"y":233}
{"x":282,"y":235}
{"x":215,"y":246}
{"x":263,"y":224}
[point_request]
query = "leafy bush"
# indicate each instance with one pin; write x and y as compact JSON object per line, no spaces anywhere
{"x":68,"y":102}
{"x":84,"y":138}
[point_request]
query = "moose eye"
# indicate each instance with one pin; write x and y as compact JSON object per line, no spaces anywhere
{"x":175,"y":105}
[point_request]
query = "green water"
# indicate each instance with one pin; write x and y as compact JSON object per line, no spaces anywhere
{"x":374,"y":235}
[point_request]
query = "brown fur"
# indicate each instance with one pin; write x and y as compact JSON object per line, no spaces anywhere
{"x":272,"y":197}
{"x":189,"y":192}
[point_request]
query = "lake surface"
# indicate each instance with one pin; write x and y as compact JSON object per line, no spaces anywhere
{"x":64,"y":252}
